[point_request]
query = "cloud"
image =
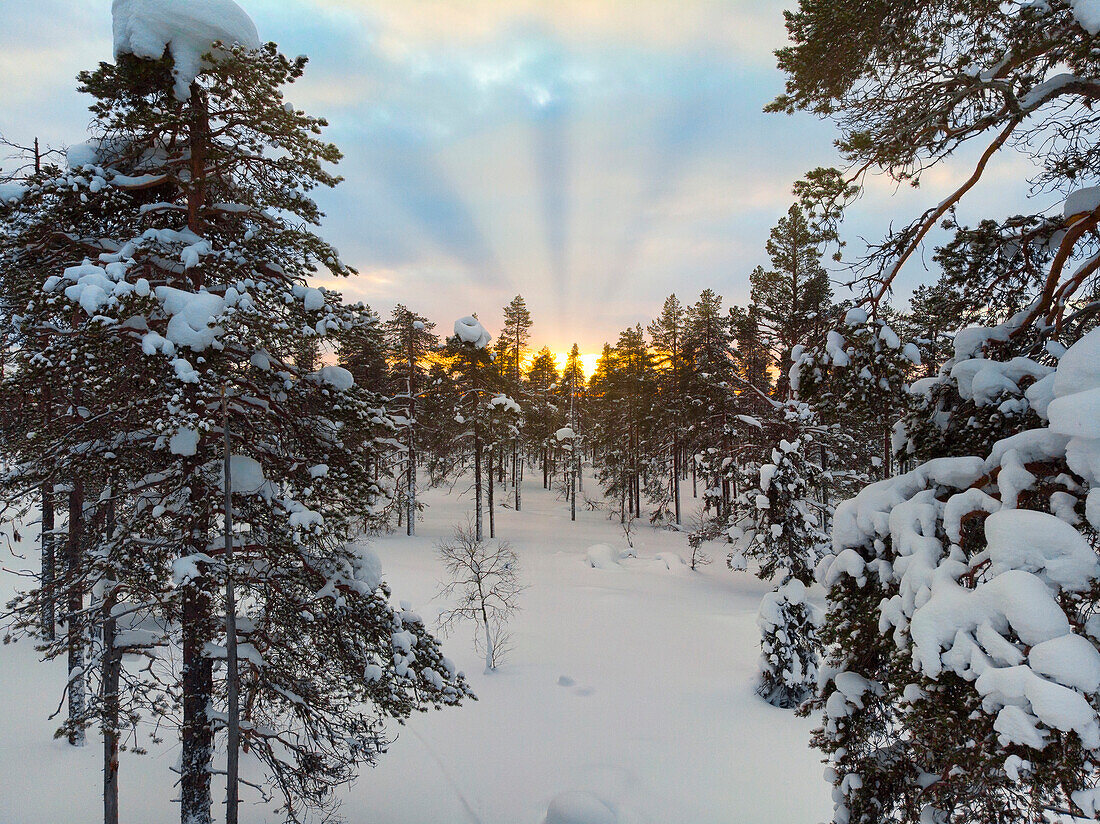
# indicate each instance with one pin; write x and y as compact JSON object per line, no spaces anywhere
{"x":592,"y":155}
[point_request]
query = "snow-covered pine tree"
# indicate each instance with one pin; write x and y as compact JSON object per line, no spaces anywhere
{"x":961,"y":681}
{"x":667,"y":334}
{"x":858,"y":378}
{"x":792,"y":299}
{"x":471,"y":376}
{"x":53,"y":440}
{"x":510,"y":350}
{"x":410,"y":339}
{"x":785,"y":524}
{"x":543,"y":413}
{"x":503,"y":426}
{"x":201,"y":291}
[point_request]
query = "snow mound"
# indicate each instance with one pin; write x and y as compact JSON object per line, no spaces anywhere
{"x":672,"y":562}
{"x":184,"y":442}
{"x":579,"y":808}
{"x":187,"y":28}
{"x":469,"y":330}
{"x":1082,"y":201}
{"x":602,"y":556}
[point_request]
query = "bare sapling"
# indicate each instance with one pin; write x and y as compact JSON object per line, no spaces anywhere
{"x":483,"y":577}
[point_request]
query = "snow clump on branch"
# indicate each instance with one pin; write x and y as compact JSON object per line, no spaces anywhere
{"x":187,"y":28}
{"x":469,"y":330}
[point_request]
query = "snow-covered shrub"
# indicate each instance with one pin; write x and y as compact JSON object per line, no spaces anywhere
{"x":787,"y":537}
{"x":788,"y":646}
{"x":858,"y":377}
{"x":963,"y":676}
{"x":787,"y":540}
{"x":977,"y":399}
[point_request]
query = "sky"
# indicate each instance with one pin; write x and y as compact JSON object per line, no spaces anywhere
{"x":591,"y":155}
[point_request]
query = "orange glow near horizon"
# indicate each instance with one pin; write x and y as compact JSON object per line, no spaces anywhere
{"x":588,"y":362}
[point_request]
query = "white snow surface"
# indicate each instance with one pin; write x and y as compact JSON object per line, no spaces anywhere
{"x":192,"y":317}
{"x":184,"y":442}
{"x":187,"y":28}
{"x":628,"y":695}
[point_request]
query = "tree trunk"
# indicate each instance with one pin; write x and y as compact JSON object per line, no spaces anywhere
{"x":517,"y":473}
{"x":477,"y":483}
{"x":49,"y":569}
{"x":74,"y":619}
{"x":410,"y":494}
{"x":492,"y":512}
{"x":109,"y":686}
{"x":676,"y":476}
{"x":232,"y":673}
{"x":197,"y":738}
{"x":573,"y":485}
{"x":197,"y":629}
{"x":112,"y":672}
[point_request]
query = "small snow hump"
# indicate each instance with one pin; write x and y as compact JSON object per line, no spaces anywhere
{"x":602,"y":556}
{"x":579,"y":808}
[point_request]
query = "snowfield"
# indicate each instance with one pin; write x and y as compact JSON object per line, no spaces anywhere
{"x":628,"y":697}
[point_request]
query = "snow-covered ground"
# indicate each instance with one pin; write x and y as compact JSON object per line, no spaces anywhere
{"x":628,"y":694}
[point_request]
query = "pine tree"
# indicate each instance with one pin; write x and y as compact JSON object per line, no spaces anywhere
{"x":363,"y":351}
{"x":198,"y":296}
{"x":933,"y":571}
{"x":711,"y":395}
{"x":471,"y":374}
{"x":510,"y":349}
{"x":409,"y":337}
{"x":935,"y":314}
{"x":858,"y":378}
{"x":750,"y":355}
{"x":573,"y":382}
{"x":624,"y":386}
{"x":792,"y":299}
{"x":544,"y":413}
{"x":668,"y":333}
{"x":788,"y":541}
